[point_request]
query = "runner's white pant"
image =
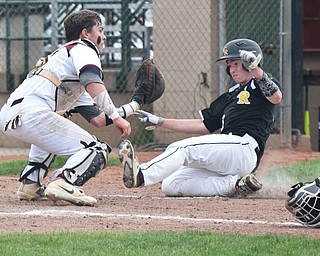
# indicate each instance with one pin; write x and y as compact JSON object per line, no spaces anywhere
{"x":206,"y":165}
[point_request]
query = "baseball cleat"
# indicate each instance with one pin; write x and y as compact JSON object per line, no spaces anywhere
{"x":132,"y":176}
{"x":30,"y":191}
{"x":62,"y":190}
{"x":247,"y":185}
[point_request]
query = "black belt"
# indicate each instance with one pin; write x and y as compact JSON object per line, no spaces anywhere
{"x":257,"y":150}
{"x":15,"y":102}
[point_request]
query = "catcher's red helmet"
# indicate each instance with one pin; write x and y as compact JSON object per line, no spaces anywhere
{"x":304,"y":203}
{"x":232,"y":48}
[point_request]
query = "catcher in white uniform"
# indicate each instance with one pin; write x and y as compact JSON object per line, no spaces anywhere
{"x":71,"y":76}
{"x":215,"y":164}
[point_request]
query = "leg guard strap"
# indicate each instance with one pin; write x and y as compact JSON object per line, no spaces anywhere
{"x":86,"y":164}
{"x":41,"y":169}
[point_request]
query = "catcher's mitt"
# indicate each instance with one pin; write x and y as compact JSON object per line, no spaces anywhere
{"x":149,"y":84}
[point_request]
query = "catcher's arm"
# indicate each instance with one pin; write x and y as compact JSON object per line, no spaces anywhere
{"x":149,"y":86}
{"x":94,"y":115}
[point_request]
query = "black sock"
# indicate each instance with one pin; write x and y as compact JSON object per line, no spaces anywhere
{"x":140,"y":178}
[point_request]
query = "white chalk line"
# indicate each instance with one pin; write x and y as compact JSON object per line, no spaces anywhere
{"x":158,"y":197}
{"x":181,"y":198}
{"x":68,"y":213}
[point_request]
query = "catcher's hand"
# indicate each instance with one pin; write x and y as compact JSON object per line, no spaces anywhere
{"x":149,"y":84}
{"x":146,"y":117}
{"x":249,"y":60}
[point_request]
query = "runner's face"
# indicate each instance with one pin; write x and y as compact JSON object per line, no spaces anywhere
{"x":97,"y":36}
{"x":238,"y":73}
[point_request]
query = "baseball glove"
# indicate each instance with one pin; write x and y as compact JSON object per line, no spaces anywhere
{"x":149,"y":83}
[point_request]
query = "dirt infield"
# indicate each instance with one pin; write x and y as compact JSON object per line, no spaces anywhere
{"x":147,"y":209}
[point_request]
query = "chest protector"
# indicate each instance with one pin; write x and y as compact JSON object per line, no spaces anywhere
{"x":68,"y":92}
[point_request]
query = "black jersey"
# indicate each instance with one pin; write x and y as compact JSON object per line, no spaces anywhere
{"x":243,"y":109}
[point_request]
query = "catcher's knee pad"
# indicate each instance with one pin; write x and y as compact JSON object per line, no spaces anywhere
{"x":41,"y":169}
{"x":86,"y":163}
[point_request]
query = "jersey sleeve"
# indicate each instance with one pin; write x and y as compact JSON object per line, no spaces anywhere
{"x":83,"y":56}
{"x":86,"y":107}
{"x":88,"y":112}
{"x":212,"y":116}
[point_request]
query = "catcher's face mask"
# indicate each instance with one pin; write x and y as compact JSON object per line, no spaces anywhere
{"x":304,"y":203}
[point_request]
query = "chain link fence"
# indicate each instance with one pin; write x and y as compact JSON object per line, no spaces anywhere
{"x":185,"y":37}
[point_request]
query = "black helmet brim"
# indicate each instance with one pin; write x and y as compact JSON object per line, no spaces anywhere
{"x":229,"y":57}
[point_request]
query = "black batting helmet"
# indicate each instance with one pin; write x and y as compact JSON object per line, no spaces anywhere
{"x":304,"y":203}
{"x":232,"y":48}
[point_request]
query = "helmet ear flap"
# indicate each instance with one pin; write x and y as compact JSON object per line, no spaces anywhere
{"x":228,"y":71}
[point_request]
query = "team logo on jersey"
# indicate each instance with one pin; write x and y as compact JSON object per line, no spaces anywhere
{"x":243,"y":97}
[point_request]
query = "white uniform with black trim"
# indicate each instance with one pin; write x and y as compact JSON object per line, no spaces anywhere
{"x":37,"y":101}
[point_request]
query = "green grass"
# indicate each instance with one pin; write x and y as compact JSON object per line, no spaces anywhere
{"x":14,"y":167}
{"x":303,"y":171}
{"x":155,"y":243}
